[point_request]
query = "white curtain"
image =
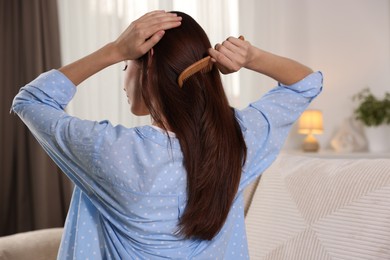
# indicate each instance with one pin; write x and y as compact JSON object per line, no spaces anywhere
{"x":89,"y":24}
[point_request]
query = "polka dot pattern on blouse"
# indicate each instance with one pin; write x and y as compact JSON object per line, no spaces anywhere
{"x":130,"y":183}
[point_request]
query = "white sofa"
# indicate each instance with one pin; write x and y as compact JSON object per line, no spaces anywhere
{"x":302,"y":208}
{"x":35,"y":245}
{"x":309,"y":208}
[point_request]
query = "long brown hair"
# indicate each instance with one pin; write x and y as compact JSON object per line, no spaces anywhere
{"x":199,"y":114}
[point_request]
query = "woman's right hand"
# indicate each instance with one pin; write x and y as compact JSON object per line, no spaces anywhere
{"x":145,"y":32}
{"x":231,"y":55}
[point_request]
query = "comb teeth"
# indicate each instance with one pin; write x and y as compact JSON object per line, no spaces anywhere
{"x":204,"y":65}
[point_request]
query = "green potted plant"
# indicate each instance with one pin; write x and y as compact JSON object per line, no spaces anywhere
{"x":374,"y":113}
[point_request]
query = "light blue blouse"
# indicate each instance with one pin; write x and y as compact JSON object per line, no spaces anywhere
{"x":130,"y":183}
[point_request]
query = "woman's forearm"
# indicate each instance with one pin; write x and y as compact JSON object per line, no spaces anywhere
{"x":283,"y":70}
{"x":233,"y":54}
{"x":139,"y":37}
{"x":83,"y":68}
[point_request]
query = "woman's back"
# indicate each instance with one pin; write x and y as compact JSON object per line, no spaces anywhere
{"x":132,"y":202}
{"x":132,"y":185}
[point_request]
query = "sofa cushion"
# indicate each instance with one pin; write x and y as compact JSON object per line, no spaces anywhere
{"x":310,"y":208}
{"x":41,"y":244}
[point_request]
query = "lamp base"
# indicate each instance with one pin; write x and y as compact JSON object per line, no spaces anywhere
{"x":310,"y":144}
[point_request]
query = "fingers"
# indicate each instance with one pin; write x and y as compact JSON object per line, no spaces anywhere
{"x":142,"y":34}
{"x":235,"y":45}
{"x":224,"y":64}
{"x":230,"y":56}
{"x":156,"y":21}
{"x":227,"y":50}
{"x":154,"y":24}
{"x":151,"y":27}
{"x":219,"y":57}
{"x":152,"y":41}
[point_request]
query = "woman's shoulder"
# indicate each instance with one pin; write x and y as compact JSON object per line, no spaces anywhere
{"x":149,"y":135}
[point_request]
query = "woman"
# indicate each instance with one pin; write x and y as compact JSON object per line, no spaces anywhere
{"x":173,"y":189}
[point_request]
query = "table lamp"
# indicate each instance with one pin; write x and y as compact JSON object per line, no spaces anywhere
{"x":310,"y":123}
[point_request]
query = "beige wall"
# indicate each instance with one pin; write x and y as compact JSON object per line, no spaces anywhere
{"x":348,"y":40}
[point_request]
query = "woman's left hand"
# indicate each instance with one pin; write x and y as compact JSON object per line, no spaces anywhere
{"x":135,"y":41}
{"x":145,"y":32}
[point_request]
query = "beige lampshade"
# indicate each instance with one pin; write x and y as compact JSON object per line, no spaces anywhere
{"x":310,"y":122}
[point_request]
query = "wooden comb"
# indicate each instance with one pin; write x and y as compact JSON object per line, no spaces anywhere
{"x":204,"y":65}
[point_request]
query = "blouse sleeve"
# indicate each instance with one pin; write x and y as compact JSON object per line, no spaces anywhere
{"x":267,"y":122}
{"x":72,"y":143}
